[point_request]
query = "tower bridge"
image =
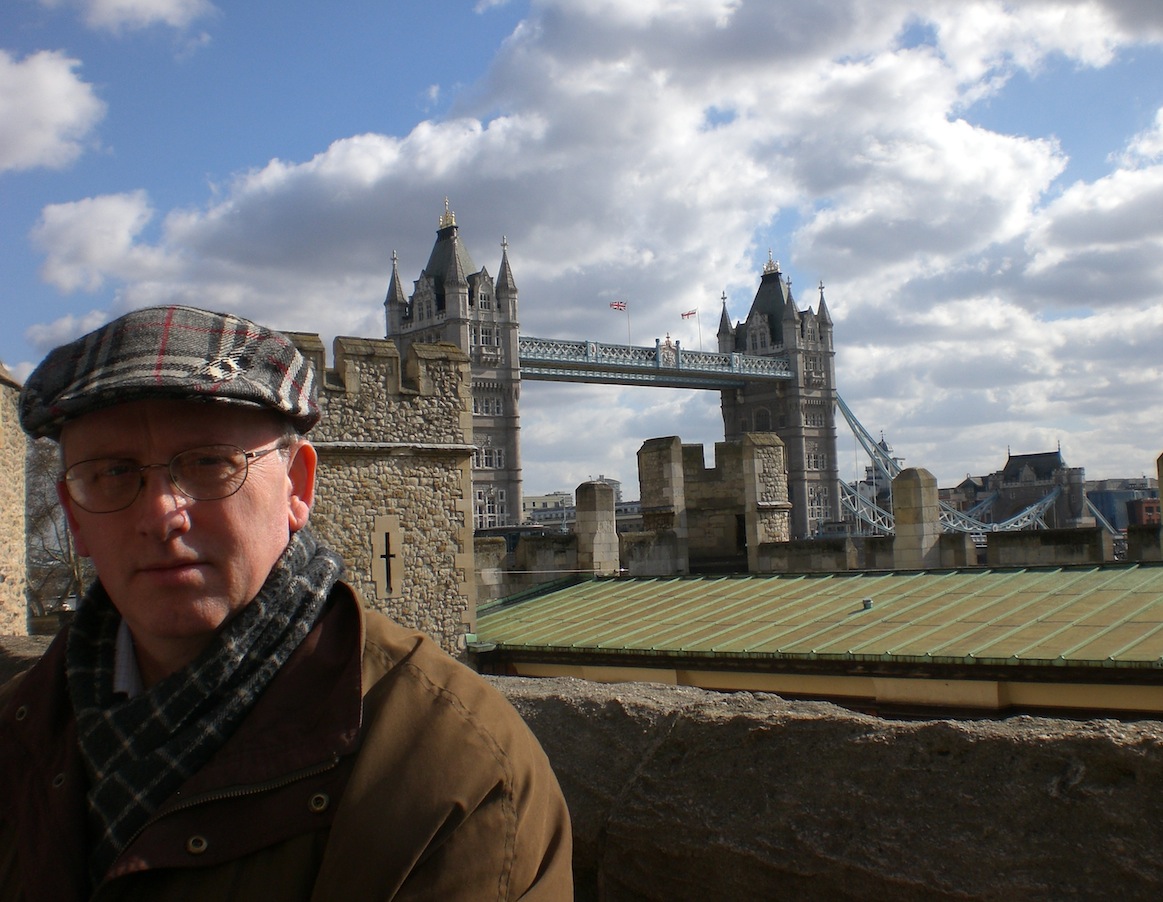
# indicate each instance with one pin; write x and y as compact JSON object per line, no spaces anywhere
{"x":774,"y":370}
{"x":666,"y":365}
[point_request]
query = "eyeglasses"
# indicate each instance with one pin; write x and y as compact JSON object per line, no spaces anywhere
{"x":104,"y":485}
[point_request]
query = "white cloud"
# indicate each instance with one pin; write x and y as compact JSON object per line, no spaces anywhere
{"x":119,"y":15}
{"x":47,"y":336}
{"x":1146,"y":147}
{"x":642,"y":151}
{"x":91,"y":240}
{"x":46,"y":112}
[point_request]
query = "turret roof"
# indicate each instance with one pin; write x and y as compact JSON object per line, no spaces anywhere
{"x":449,"y":262}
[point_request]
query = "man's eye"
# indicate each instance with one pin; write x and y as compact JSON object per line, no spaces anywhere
{"x":210,"y":461}
{"x":114,"y":469}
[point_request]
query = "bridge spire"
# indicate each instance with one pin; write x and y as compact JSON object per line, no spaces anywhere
{"x":822,"y":311}
{"x":448,"y":218}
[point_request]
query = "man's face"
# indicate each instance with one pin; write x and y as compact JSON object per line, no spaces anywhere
{"x":176,"y":568}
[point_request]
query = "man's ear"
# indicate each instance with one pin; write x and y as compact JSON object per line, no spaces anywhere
{"x":301,"y":484}
{"x":74,"y":526}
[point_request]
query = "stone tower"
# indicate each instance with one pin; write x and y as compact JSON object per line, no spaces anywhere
{"x":452,"y":301}
{"x":800,"y":410}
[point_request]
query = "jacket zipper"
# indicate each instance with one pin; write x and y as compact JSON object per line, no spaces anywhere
{"x":235,"y":792}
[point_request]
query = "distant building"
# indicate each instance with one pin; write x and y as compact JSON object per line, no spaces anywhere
{"x":800,"y":410}
{"x":1126,"y":502}
{"x":554,"y":501}
{"x":452,"y":301}
{"x":1024,"y":481}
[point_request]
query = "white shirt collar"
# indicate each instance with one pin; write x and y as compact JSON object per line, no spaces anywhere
{"x":126,"y":675}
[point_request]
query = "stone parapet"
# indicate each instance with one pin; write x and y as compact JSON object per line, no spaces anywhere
{"x":1144,"y":543}
{"x":808,"y":556}
{"x":684,"y":794}
{"x":1049,"y":547}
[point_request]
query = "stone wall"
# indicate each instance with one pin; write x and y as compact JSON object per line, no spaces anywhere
{"x":1049,"y":547}
{"x":13,"y":451}
{"x":719,"y":515}
{"x":808,"y":556}
{"x":395,"y":480}
{"x":683,"y":794}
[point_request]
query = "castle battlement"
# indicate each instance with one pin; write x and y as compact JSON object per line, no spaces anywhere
{"x":373,"y":393}
{"x":394,"y":486}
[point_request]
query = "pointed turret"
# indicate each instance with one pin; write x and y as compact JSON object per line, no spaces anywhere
{"x":822,"y":312}
{"x":505,"y":281}
{"x":395,"y":302}
{"x":724,"y":319}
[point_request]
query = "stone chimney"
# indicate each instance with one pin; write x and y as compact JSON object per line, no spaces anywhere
{"x":918,"y":520}
{"x":597,"y":535}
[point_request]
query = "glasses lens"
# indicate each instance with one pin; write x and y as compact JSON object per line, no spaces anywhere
{"x":214,"y":471}
{"x":103,"y":485}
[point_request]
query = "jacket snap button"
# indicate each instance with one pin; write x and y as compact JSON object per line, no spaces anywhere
{"x":58,"y":781}
{"x":196,"y":845}
{"x":22,"y":712}
{"x":318,"y":803}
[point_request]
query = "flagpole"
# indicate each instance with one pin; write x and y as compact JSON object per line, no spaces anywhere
{"x":698,"y":319}
{"x":628,"y":341}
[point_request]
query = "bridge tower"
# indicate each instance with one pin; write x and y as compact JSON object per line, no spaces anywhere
{"x":454,"y":302}
{"x":802,"y":410}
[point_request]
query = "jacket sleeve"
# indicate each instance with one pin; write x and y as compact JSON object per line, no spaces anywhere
{"x":451,"y":797}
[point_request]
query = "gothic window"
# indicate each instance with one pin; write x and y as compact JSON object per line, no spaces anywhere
{"x":476,"y":459}
{"x":486,"y":336}
{"x":472,"y":335}
{"x":500,"y":458}
{"x":486,"y":303}
{"x":489,"y":458}
{"x":763,"y":420}
{"x":818,"y":502}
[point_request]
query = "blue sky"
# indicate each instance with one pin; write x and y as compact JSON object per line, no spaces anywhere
{"x":979,"y":185}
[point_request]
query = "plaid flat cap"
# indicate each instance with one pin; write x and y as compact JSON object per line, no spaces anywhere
{"x":180,"y":353}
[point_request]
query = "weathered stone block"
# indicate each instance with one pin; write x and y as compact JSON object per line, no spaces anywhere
{"x":682,"y":794}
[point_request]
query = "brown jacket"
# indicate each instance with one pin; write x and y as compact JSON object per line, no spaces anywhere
{"x":432,"y":788}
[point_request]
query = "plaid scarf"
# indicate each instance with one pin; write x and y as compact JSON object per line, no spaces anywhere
{"x":138,"y":751}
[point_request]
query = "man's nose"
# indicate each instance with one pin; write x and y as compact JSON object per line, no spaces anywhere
{"x":161,"y":504}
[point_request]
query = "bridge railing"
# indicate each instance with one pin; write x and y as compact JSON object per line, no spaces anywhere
{"x":596,"y":355}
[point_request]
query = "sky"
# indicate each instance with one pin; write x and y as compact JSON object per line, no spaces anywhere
{"x":978,"y":186}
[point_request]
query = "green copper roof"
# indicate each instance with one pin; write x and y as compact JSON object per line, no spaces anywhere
{"x":1110,"y":616}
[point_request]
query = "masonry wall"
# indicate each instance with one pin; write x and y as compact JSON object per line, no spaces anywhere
{"x":684,"y":794}
{"x":711,"y":516}
{"x":13,"y":451}
{"x":714,"y":501}
{"x":1049,"y":547}
{"x":395,"y":479}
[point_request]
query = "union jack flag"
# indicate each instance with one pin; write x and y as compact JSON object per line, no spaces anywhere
{"x":617,"y":305}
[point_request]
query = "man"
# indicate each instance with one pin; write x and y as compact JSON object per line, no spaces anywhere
{"x":224,"y":719}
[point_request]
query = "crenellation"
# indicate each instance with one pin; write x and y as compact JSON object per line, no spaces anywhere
{"x":394,"y":482}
